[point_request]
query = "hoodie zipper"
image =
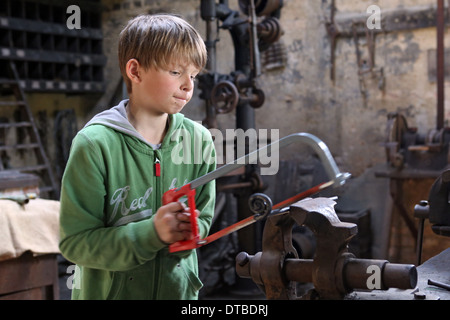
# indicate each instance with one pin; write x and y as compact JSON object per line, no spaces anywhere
{"x":157,"y":261}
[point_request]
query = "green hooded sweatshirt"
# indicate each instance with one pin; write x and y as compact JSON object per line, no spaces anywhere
{"x":111,"y":189}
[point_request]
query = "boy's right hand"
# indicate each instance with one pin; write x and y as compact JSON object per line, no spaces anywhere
{"x":172,"y":222}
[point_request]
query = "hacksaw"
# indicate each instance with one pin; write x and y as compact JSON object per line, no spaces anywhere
{"x":336,"y":179}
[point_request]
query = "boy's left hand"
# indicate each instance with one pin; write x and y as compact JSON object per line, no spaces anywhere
{"x":172,"y":222}
{"x":184,"y":222}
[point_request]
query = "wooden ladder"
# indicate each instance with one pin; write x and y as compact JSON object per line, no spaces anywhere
{"x":40,"y":165}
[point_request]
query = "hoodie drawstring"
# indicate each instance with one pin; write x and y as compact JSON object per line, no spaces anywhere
{"x":157,"y":167}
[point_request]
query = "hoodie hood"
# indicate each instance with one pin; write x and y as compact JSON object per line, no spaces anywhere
{"x":116,"y":118}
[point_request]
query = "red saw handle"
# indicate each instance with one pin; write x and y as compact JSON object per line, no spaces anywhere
{"x":173,"y":195}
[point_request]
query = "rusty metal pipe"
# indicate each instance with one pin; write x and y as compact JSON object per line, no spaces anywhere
{"x":356,"y":273}
{"x":401,"y":276}
{"x":299,"y":269}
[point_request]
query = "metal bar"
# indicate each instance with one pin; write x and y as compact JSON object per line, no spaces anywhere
{"x":11,"y":103}
{"x":331,"y":29}
{"x":420,"y":241}
{"x":439,"y":284}
{"x":25,"y":169}
{"x":396,"y":189}
{"x":15,"y":125}
{"x":234,"y":227}
{"x":440,"y":64}
{"x":254,"y":50}
{"x":303,"y":195}
{"x":19,"y":146}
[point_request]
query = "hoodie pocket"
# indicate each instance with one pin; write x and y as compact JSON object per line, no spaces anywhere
{"x":133,"y":284}
{"x":178,"y":280}
{"x":117,"y":283}
{"x":194,"y":281}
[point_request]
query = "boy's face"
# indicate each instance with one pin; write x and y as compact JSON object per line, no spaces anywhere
{"x":165,"y":91}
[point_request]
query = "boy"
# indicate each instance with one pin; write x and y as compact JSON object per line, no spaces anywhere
{"x":113,"y":224}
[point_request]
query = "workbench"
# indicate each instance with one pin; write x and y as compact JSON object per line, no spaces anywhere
{"x":29,"y":237}
{"x":29,"y":277}
{"x":435,"y":268}
{"x":407,"y":187}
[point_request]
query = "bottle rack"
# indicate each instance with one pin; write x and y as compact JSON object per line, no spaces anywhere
{"x":49,"y":56}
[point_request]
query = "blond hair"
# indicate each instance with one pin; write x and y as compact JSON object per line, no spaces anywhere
{"x":159,"y":40}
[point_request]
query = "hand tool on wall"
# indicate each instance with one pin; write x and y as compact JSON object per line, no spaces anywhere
{"x":336,"y":177}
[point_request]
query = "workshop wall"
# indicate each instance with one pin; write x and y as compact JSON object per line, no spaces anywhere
{"x":349,"y":114}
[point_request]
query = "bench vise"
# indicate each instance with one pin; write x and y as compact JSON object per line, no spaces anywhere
{"x":334,"y":271}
